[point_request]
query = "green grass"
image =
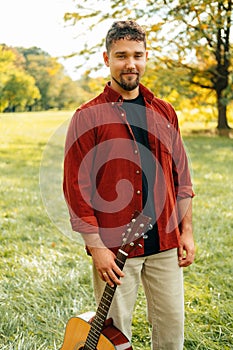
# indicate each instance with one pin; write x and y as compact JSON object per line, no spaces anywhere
{"x":45,"y":278}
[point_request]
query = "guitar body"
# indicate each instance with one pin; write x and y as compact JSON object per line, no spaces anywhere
{"x":77,"y":330}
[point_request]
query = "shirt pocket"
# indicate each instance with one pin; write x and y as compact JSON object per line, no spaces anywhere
{"x":164,"y":136}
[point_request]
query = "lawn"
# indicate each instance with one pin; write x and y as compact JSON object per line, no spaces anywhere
{"x":45,"y":276}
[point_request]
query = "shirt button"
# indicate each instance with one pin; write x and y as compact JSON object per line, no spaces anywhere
{"x":138,"y":192}
{"x":137,"y":171}
{"x":122,"y":114}
{"x":135,"y":151}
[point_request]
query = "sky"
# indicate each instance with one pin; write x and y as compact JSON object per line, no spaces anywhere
{"x":40,"y":23}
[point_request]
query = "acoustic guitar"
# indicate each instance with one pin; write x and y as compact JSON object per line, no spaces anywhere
{"x":99,"y":333}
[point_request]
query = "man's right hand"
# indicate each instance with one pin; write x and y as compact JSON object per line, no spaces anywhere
{"x":104,"y":260}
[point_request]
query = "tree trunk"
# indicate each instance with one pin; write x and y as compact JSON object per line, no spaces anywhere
{"x":222,"y":114}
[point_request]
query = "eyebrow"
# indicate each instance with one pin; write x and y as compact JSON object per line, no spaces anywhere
{"x":124,"y":52}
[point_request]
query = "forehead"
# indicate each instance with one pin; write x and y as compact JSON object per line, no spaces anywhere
{"x":125,"y":45}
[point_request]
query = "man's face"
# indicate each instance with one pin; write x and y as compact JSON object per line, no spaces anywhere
{"x":127,"y":62}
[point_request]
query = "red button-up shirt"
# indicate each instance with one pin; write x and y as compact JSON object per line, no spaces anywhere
{"x":103,"y":175}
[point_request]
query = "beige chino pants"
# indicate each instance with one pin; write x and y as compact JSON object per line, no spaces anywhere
{"x":162,"y":280}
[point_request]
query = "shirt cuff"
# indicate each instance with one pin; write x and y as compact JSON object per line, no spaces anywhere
{"x":87,"y":224}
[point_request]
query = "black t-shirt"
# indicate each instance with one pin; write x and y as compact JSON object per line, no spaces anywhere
{"x":136,"y":117}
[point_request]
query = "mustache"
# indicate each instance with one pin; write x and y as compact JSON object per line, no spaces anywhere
{"x":129,"y":71}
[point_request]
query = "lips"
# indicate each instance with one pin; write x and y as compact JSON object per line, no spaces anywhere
{"x":130,"y":72}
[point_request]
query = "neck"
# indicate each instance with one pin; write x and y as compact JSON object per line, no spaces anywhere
{"x":104,"y":305}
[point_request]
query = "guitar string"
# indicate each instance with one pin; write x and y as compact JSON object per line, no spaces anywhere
{"x":95,"y":331}
{"x":96,"y":328}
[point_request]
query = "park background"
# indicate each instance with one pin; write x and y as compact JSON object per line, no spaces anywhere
{"x":45,"y":276}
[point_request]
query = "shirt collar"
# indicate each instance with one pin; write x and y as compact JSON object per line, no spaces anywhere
{"x":111,"y":95}
{"x":114,"y":96}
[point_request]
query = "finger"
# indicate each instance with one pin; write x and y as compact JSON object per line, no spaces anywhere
{"x":187,"y":260}
{"x":105,"y":275}
{"x":107,"y":279}
{"x":115,"y":277}
{"x":180,"y":253}
{"x":117,"y":271}
{"x":111,"y":277}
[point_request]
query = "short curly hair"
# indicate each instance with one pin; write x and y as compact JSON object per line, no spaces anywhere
{"x":129,"y":30}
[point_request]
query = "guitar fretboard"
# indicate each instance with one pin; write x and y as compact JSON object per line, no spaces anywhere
{"x":103,"y":308}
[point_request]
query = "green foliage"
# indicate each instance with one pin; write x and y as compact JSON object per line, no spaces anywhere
{"x":20,"y":91}
{"x":45,"y":278}
{"x":188,"y":36}
{"x":50,"y":79}
{"x":210,"y":278}
{"x":32,"y":80}
{"x":92,"y":86}
{"x":17,"y":87}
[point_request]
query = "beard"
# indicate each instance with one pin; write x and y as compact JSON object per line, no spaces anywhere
{"x":127,"y":85}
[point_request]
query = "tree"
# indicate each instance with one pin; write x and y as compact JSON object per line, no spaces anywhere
{"x":31,"y":79}
{"x":194,"y":34}
{"x":20,"y":92}
{"x":207,"y":26}
{"x":57,"y":90}
{"x":17,"y":88}
{"x":45,"y":70}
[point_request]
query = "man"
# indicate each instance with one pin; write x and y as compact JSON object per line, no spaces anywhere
{"x":124,"y":153}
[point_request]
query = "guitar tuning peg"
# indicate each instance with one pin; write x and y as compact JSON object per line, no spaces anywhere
{"x":145,"y":236}
{"x":131,"y":244}
{"x":124,"y":240}
{"x":129,"y":230}
{"x":133,"y":220}
{"x":150,"y":227}
{"x":141,"y":225}
{"x":136,"y":234}
{"x":140,"y":245}
{"x":123,"y":234}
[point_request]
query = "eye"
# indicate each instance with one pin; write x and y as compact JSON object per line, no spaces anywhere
{"x":120,"y":57}
{"x":138,"y":55}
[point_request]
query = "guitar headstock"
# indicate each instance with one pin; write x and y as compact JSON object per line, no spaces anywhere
{"x":136,"y":229}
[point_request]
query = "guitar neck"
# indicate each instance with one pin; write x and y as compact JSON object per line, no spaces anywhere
{"x":103,"y":308}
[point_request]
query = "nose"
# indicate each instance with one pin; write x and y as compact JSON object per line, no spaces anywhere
{"x":130,"y":63}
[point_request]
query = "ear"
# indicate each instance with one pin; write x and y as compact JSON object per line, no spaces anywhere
{"x":106,"y":59}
